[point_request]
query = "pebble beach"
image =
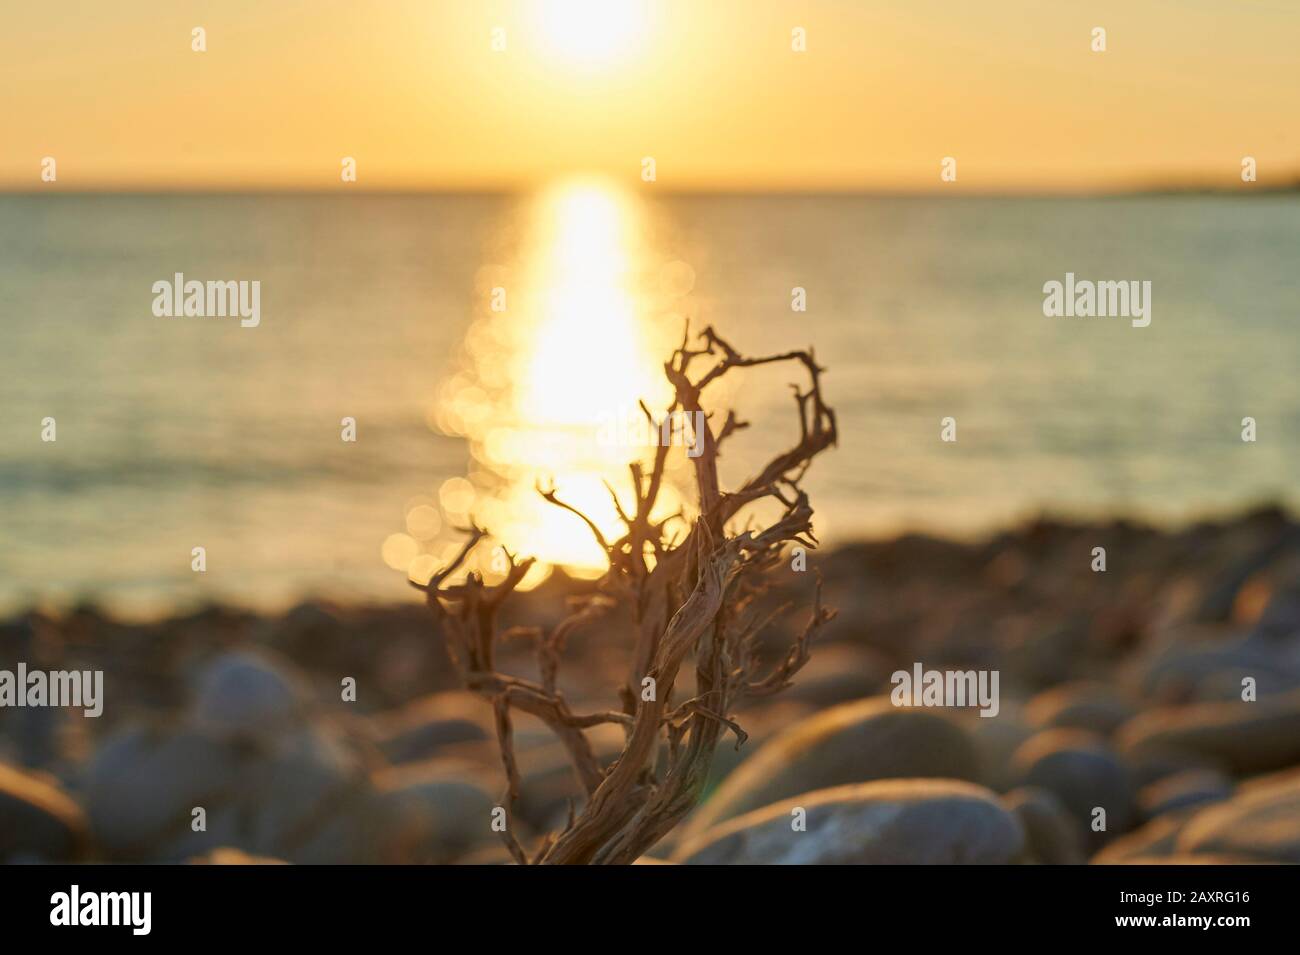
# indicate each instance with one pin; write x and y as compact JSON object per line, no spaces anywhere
{"x":1149,"y":712}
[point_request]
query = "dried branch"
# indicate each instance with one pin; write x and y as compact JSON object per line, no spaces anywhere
{"x":691,"y":597}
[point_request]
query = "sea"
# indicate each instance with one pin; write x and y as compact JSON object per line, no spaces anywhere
{"x":466,"y":333}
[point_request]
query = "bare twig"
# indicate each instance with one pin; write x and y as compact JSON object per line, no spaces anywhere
{"x":692,"y":596}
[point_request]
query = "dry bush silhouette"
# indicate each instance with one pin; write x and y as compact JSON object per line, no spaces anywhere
{"x":696,"y":598}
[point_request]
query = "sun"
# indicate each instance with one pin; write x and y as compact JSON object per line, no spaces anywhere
{"x":589,"y":32}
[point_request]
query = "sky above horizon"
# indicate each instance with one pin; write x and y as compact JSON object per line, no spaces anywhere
{"x":415,"y":92}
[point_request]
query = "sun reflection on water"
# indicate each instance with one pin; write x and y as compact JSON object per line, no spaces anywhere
{"x":583,"y":320}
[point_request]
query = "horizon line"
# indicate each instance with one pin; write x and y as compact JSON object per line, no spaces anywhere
{"x":1133,"y":191}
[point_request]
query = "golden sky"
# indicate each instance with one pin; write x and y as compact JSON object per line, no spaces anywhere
{"x":710,"y":88}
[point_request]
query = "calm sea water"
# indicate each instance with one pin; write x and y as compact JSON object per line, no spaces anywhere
{"x":173,"y":433}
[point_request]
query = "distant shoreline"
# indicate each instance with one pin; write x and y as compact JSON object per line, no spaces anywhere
{"x":1051,"y":532}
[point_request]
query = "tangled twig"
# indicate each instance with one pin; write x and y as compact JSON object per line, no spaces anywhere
{"x":693,"y":597}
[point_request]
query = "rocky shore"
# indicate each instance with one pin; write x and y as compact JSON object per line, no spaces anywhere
{"x":1149,"y":712}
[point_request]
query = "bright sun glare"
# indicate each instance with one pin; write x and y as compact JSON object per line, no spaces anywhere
{"x":574,"y":348}
{"x":589,"y":32}
{"x":586,"y":340}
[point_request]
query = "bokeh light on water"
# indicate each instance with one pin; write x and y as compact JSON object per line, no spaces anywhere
{"x":589,"y":317}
